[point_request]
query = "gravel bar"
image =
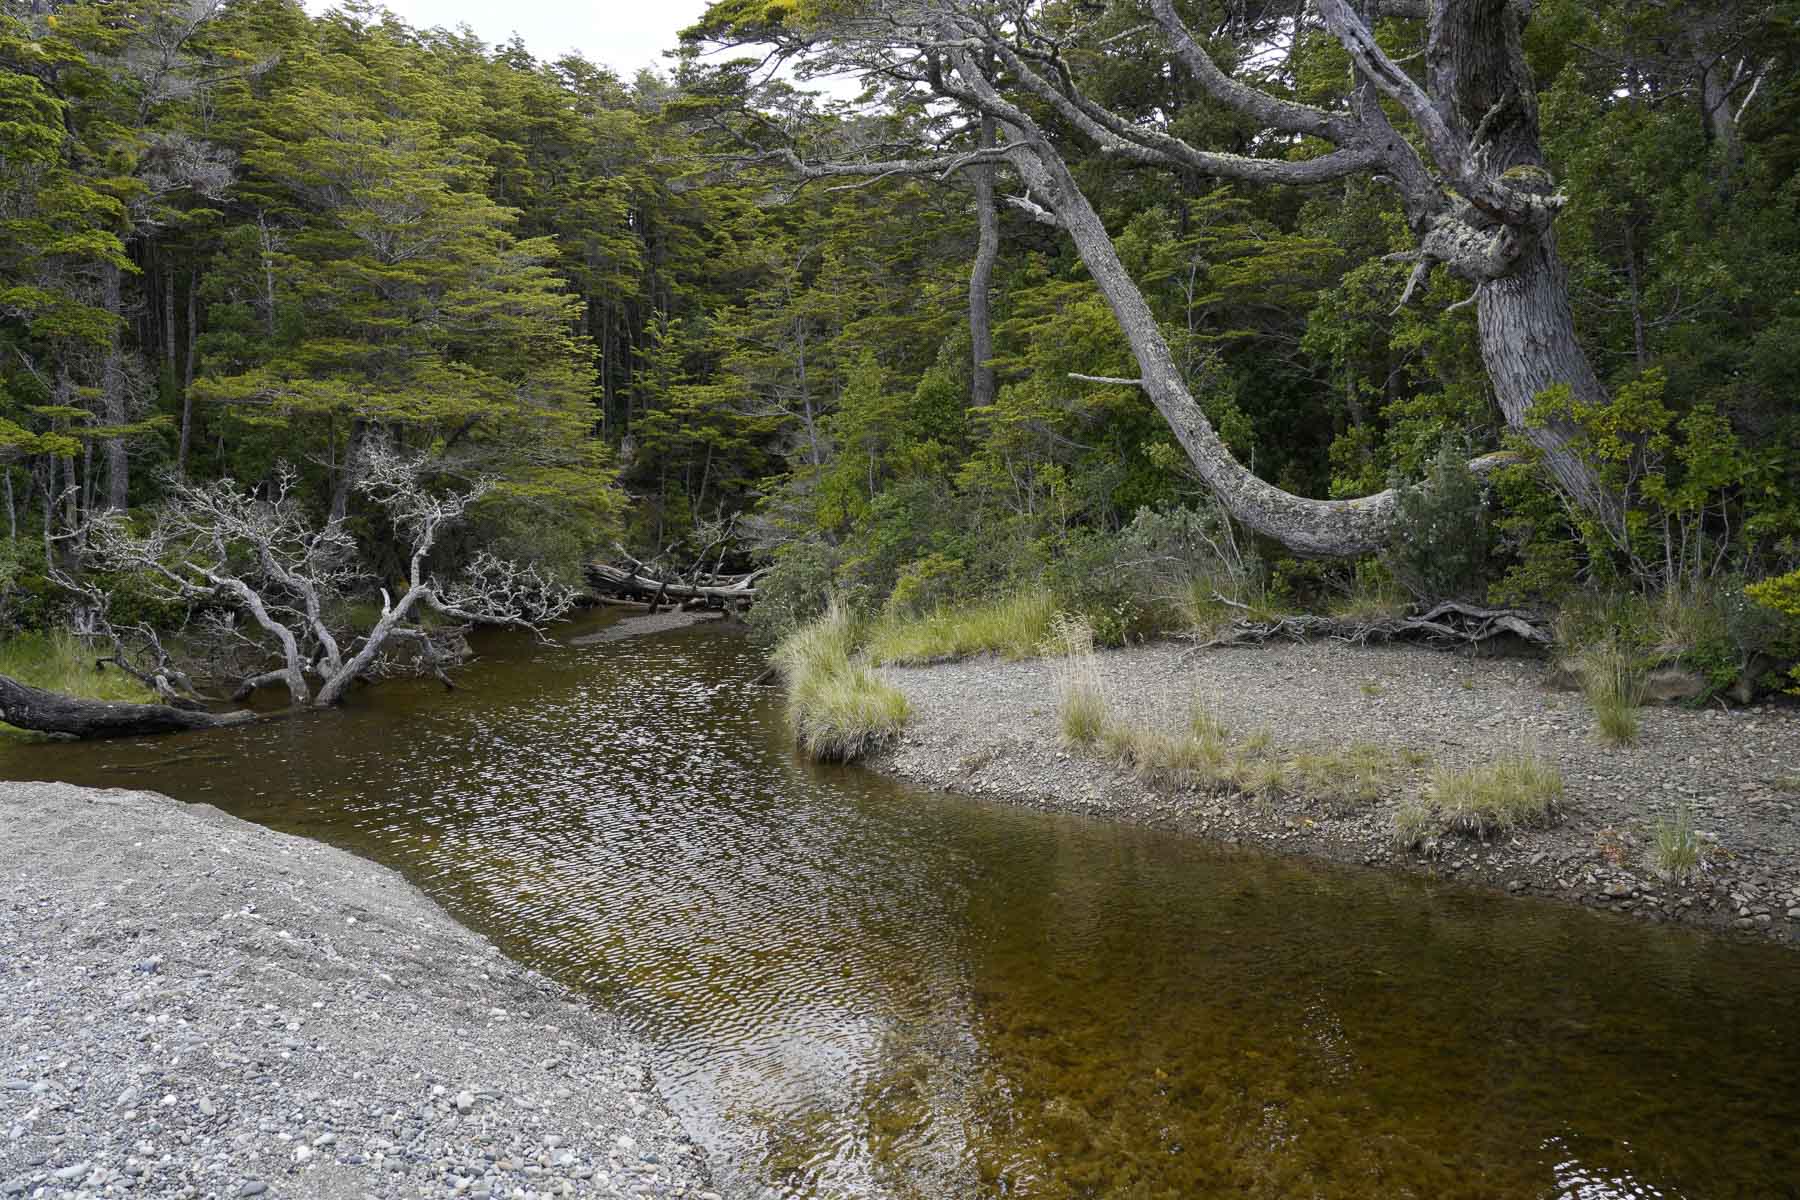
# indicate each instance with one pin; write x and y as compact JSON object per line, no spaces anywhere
{"x":987,"y":727}
{"x":194,"y":1006}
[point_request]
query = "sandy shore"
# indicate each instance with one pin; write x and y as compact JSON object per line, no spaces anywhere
{"x":988,"y":728}
{"x":193,"y":1006}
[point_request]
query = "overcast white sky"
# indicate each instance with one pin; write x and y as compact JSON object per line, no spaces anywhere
{"x":623,"y":34}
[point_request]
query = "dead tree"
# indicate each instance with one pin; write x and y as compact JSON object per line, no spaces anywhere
{"x":285,"y":576}
{"x":1471,"y":180}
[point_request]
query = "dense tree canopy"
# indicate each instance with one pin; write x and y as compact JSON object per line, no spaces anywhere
{"x":1302,"y":242}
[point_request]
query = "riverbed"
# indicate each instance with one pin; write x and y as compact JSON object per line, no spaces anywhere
{"x":852,"y":987}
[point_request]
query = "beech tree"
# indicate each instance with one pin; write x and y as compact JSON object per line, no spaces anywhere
{"x":1460,"y":147}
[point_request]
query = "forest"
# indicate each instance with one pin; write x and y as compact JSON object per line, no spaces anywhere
{"x":324,"y":338}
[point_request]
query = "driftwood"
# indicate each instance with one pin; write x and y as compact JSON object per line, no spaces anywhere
{"x":637,"y":581}
{"x":52,"y":712}
{"x":1446,"y":624}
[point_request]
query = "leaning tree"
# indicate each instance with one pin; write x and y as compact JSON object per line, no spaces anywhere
{"x":1456,"y":138}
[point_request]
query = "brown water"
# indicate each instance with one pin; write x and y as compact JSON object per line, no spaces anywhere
{"x":854,"y":988}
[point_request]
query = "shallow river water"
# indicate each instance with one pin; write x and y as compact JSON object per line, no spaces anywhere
{"x":855,"y":988}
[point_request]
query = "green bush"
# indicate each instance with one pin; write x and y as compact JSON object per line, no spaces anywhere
{"x":795,"y":590}
{"x":1444,"y":540}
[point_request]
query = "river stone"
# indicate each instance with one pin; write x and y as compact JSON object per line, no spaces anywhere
{"x":1673,"y":685}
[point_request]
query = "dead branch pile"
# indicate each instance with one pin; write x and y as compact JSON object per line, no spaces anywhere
{"x":628,"y":578}
{"x":1449,"y":623}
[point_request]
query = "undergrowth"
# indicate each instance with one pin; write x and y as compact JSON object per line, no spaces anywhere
{"x":1013,"y":627}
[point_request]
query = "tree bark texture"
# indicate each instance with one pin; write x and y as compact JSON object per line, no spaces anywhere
{"x":51,"y":712}
{"x":981,"y":275}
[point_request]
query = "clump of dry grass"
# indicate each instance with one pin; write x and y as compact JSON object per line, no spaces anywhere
{"x":838,"y":707}
{"x":1614,"y":686}
{"x":1518,"y":789}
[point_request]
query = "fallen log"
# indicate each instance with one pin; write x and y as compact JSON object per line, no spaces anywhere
{"x":32,"y":708}
{"x":712,"y":588}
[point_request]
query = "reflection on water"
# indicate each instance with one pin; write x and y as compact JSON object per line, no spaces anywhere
{"x":858,"y":989}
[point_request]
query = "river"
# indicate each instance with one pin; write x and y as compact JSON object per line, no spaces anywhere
{"x":853,"y":988}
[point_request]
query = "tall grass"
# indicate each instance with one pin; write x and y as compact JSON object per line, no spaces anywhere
{"x":838,"y":708}
{"x":1082,"y":711}
{"x":1517,"y":789}
{"x":1677,"y":845}
{"x":61,"y":662}
{"x":1614,"y":686}
{"x":1014,"y":627}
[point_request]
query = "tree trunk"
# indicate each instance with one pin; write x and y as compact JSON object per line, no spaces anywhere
{"x":113,"y":398}
{"x":51,"y":712}
{"x":1528,"y":343}
{"x":981,"y":274}
{"x":345,"y":478}
{"x":1324,"y":528}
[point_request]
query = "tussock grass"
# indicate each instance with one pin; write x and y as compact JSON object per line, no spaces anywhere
{"x":1515,"y":790}
{"x":1677,"y":845}
{"x":1203,"y":754}
{"x":1348,"y":779}
{"x":1614,"y":686}
{"x":838,"y":708}
{"x":1017,"y":626}
{"x":60,"y":662}
{"x":1083,"y":713}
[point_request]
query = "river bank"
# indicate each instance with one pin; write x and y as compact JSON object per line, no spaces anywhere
{"x":195,"y":1006}
{"x":989,"y":728}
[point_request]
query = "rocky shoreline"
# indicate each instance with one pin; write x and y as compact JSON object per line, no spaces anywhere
{"x":988,"y":728}
{"x":194,"y":1006}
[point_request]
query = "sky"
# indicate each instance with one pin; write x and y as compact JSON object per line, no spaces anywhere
{"x":622,"y":34}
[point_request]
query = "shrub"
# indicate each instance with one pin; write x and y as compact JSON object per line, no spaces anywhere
{"x":796,"y":589}
{"x":1781,"y":595}
{"x":839,"y":708}
{"x":1443,"y":548}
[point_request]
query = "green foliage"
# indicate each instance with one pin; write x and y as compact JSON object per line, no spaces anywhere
{"x":1781,"y":595}
{"x":1442,"y":548}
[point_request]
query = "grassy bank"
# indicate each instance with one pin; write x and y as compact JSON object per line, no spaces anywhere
{"x":838,"y":708}
{"x":61,"y":662}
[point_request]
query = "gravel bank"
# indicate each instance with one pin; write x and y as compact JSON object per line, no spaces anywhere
{"x":193,"y":1006}
{"x":988,"y":728}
